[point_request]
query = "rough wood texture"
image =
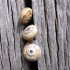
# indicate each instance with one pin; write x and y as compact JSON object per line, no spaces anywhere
{"x":53,"y":20}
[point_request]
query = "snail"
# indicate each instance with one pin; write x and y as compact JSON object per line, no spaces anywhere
{"x":26,"y":15}
{"x":31,"y":52}
{"x":30,"y":32}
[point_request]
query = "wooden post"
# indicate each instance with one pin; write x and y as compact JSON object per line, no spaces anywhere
{"x":52,"y":18}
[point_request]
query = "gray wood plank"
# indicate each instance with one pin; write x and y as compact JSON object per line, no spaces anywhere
{"x":38,"y":20}
{"x":0,"y":52}
{"x":50,"y":18}
{"x":53,"y":20}
{"x":4,"y":44}
{"x":61,"y":32}
{"x":68,"y":35}
{"x":15,"y":11}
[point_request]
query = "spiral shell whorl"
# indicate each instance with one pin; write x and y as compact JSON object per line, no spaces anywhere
{"x":30,"y":32}
{"x":32,"y":52}
{"x":26,"y":15}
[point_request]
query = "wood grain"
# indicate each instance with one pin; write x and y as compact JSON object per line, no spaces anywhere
{"x":52,"y":18}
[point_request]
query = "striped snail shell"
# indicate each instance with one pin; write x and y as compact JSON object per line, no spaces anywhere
{"x":32,"y":52}
{"x":26,"y":15}
{"x":30,"y":32}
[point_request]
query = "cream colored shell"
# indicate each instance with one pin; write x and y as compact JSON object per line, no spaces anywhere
{"x":32,"y":52}
{"x":30,"y":32}
{"x":26,"y":15}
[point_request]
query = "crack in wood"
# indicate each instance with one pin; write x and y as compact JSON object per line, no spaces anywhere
{"x":8,"y":51}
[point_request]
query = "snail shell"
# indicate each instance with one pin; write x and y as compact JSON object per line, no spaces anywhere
{"x":26,"y":15}
{"x":30,"y":32}
{"x":32,"y":52}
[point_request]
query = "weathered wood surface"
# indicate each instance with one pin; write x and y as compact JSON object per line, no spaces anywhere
{"x":53,"y":20}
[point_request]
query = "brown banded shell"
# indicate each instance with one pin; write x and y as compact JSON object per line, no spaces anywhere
{"x":32,"y":52}
{"x":26,"y":15}
{"x":30,"y":32}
